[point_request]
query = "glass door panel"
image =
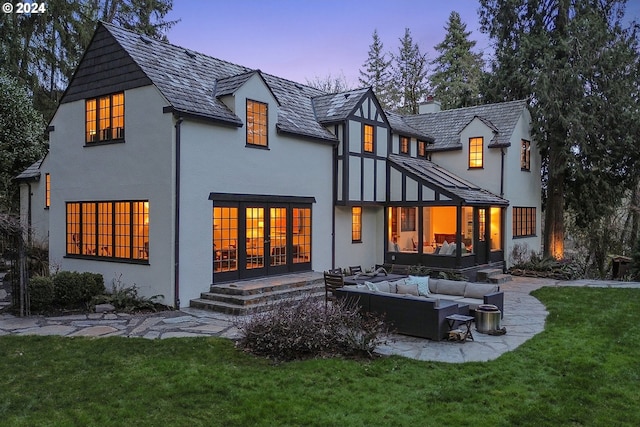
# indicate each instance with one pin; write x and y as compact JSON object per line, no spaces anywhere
{"x":278,"y":236}
{"x":254,"y":230}
{"x":225,"y":239}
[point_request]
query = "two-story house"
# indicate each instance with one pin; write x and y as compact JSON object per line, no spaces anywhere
{"x":177,"y":170}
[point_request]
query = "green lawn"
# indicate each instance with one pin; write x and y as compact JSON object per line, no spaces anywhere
{"x":583,"y":370}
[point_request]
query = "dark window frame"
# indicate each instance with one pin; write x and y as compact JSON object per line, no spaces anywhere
{"x":422,"y":149}
{"x":366,"y":126}
{"x":481,"y":152}
{"x":405,"y":143}
{"x":356,"y":224}
{"x":75,"y":236}
{"x":525,"y":155}
{"x":408,"y":219}
{"x":47,"y":191}
{"x":524,"y":221}
{"x":256,"y":125}
{"x":104,"y":136}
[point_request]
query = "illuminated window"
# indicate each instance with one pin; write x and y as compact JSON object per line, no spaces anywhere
{"x":104,"y":118}
{"x":302,"y":235}
{"x":496,"y":229}
{"x":257,"y":123}
{"x":525,"y":155}
{"x":367,"y":139}
{"x":114,"y":230}
{"x":404,"y":145}
{"x":524,"y":222}
{"x":475,"y":152}
{"x":356,"y":224}
{"x":408,"y":219}
{"x":47,"y":190}
{"x":422,"y":152}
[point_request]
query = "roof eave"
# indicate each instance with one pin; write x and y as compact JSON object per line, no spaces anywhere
{"x":327,"y":141}
{"x":191,"y":115}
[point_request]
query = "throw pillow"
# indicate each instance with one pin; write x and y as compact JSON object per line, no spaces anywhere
{"x":370,"y":286}
{"x":422,"y":282}
{"x":444,"y":250}
{"x":382,"y":286}
{"x":408,"y":289}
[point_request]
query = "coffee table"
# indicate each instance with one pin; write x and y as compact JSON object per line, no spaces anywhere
{"x":466,"y":320}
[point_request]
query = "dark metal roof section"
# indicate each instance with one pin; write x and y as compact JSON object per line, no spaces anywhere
{"x":445,"y":126}
{"x":436,"y":177}
{"x":32,"y":173}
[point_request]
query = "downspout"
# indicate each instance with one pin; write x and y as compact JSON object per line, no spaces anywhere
{"x":29,"y":215}
{"x":333,"y":202}
{"x":502,"y":173}
{"x":176,"y":245}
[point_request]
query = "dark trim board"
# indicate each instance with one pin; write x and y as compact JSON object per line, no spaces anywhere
{"x":259,"y":198}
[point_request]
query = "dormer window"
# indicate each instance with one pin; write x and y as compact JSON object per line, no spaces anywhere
{"x":367,"y":139}
{"x":475,"y":153}
{"x":104,"y":118}
{"x":404,"y":145}
{"x":257,"y":123}
{"x":422,"y":149}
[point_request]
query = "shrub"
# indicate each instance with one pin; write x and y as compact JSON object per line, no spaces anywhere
{"x":126,"y":299}
{"x":74,"y":290}
{"x":41,"y":293}
{"x":305,"y":329}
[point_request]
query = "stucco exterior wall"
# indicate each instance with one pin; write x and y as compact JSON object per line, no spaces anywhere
{"x":217,"y":159}
{"x":366,"y":253}
{"x":138,"y":169}
{"x":39,"y":228}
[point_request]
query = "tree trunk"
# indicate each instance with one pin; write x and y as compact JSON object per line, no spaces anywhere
{"x":554,"y":214}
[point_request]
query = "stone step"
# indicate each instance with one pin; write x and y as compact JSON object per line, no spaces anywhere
{"x":261,"y":286}
{"x":267,"y":294}
{"x":499,"y":278}
{"x":242,"y":310}
{"x":485,"y":274}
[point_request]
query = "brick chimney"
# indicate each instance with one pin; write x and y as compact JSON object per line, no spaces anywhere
{"x":429,"y":106}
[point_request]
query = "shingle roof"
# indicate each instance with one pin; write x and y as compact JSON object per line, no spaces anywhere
{"x":447,"y":183}
{"x":400,"y":126}
{"x":337,"y":106}
{"x":445,"y":126}
{"x":188,"y":80}
{"x":32,"y":173}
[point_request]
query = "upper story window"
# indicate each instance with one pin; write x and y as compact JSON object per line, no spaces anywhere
{"x":525,"y":155}
{"x":356,"y":224}
{"x":47,"y":191}
{"x":422,"y":152}
{"x":367,"y":139}
{"x":404,"y":145}
{"x":257,"y":123}
{"x":475,"y":152}
{"x":104,"y":118}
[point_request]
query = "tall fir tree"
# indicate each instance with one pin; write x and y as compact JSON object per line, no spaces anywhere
{"x":377,"y":72}
{"x":458,"y":72}
{"x":579,"y":66}
{"x":409,"y":75}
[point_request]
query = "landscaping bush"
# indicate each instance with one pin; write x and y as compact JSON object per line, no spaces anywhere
{"x":75,"y":290}
{"x":41,"y":293}
{"x":538,"y":266}
{"x":305,"y":329}
{"x":126,"y":299}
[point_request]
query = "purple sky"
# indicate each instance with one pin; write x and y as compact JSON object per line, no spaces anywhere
{"x":304,"y":39}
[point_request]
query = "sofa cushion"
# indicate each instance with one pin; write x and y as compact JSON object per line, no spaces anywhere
{"x":370,"y":286}
{"x":383,"y":286}
{"x":478,"y":290}
{"x":472,"y":302}
{"x":408,"y":289}
{"x":422,"y":282}
{"x":433,"y":285}
{"x":451,"y":287}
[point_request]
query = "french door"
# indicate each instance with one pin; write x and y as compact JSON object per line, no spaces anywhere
{"x":260,"y":239}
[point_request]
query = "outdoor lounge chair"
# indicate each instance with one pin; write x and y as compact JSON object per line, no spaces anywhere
{"x":331,"y":283}
{"x":355,"y":270}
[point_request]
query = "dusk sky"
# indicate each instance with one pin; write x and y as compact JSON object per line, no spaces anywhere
{"x":304,"y":39}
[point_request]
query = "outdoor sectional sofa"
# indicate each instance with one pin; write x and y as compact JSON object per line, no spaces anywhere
{"x":411,"y":309}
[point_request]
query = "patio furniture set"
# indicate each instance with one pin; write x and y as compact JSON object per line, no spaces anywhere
{"x":419,"y":306}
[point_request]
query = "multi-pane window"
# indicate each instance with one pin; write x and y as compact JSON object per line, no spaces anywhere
{"x":257,"y":123}
{"x":525,"y":155}
{"x":47,"y":190}
{"x":367,"y":139}
{"x":421,"y":149}
{"x":356,"y":224}
{"x":404,"y":145}
{"x":524,"y":222}
{"x":302,"y":235}
{"x":475,"y":152}
{"x":104,"y":118}
{"x":114,"y":230}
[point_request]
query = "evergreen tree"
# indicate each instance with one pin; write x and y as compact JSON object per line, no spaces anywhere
{"x":409,"y":75}
{"x":376,"y":72}
{"x":43,"y":50}
{"x":458,"y":72}
{"x":21,"y":135}
{"x":579,"y":66}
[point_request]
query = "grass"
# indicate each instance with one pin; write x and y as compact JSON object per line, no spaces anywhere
{"x":583,"y":370}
